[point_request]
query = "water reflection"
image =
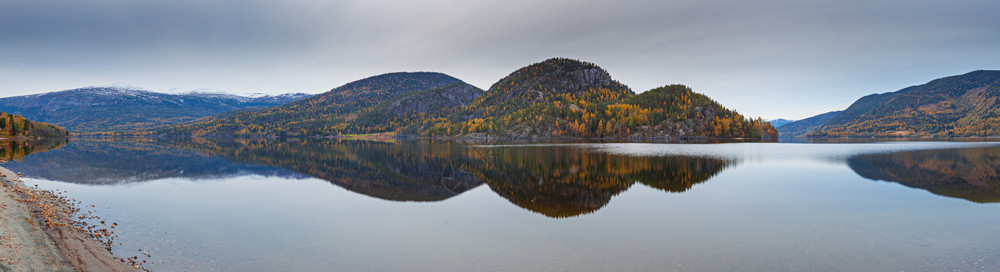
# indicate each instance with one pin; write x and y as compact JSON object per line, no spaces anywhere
{"x":16,"y":150}
{"x":555,"y":181}
{"x":420,"y":171}
{"x":110,"y":161}
{"x":564,"y":181}
{"x":972,"y":174}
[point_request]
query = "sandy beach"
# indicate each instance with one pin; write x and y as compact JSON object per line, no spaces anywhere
{"x":37,"y":233}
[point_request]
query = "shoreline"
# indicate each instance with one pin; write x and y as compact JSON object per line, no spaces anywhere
{"x":39,"y":232}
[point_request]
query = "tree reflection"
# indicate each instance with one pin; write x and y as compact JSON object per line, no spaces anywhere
{"x":557,"y":181}
{"x":972,"y":174}
{"x":16,"y":150}
{"x":566,"y":181}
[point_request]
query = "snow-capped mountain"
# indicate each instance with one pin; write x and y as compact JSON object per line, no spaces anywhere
{"x":123,"y":108}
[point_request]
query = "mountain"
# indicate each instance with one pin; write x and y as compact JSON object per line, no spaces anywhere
{"x":16,"y":126}
{"x":799,"y":129}
{"x":118,"y":109}
{"x":556,"y":98}
{"x":414,"y":107}
{"x":777,"y":123}
{"x":956,"y":106}
{"x":565,"y":98}
{"x":550,"y":80}
{"x":332,"y":112}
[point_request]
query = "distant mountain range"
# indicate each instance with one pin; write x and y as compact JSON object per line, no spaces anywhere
{"x":118,"y":109}
{"x":958,"y":106}
{"x":556,"y":98}
{"x":356,"y":107}
{"x":777,"y":123}
{"x":799,"y":129}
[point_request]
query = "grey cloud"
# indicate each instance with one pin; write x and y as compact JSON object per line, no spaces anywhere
{"x":756,"y":56}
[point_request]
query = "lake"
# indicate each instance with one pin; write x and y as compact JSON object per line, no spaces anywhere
{"x":339,"y":205}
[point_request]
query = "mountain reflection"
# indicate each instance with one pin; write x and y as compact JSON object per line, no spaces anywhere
{"x":971,"y":174}
{"x":419,"y":171}
{"x":561,"y":181}
{"x":555,"y":181}
{"x":117,"y":161}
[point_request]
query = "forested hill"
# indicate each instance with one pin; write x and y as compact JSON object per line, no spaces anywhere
{"x":548,"y":81}
{"x":956,"y":106}
{"x":119,"y":109}
{"x":561,"y":97}
{"x":414,"y":107}
{"x":556,"y":98}
{"x":332,"y":112}
{"x":16,"y":126}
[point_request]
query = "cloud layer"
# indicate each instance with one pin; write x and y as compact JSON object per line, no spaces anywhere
{"x":772,"y":58}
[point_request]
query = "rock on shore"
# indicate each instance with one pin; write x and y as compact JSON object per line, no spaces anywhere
{"x":29,"y":242}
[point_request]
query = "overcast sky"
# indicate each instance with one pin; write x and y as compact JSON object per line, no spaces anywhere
{"x":769,"y":58}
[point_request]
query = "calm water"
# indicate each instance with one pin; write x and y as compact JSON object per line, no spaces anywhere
{"x":261,"y":205}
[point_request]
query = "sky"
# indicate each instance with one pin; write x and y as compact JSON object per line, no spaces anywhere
{"x":769,"y":58}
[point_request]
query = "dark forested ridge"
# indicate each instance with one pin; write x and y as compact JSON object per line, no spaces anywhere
{"x":329,"y":113}
{"x":119,"y":109}
{"x":957,"y":106}
{"x":16,"y":126}
{"x":556,"y":98}
{"x":414,"y":107}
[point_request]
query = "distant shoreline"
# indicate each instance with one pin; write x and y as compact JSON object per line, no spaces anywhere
{"x":38,"y":233}
{"x":885,"y":139}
